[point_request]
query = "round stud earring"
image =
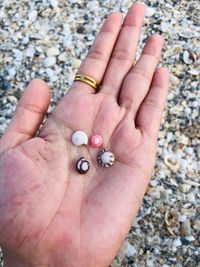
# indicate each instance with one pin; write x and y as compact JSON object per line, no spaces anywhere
{"x":106,"y":158}
{"x":79,"y":138}
{"x":96,"y":140}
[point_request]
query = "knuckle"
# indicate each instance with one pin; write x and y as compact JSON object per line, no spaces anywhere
{"x":127,"y":102}
{"x":107,"y":31}
{"x":142,"y":73}
{"x":108,"y":87}
{"x":96,"y":54}
{"x":150,"y":102}
{"x":122,"y":54}
{"x":151,"y":57}
{"x":31,"y":108}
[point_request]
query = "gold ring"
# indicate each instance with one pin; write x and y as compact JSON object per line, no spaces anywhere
{"x":88,"y":80}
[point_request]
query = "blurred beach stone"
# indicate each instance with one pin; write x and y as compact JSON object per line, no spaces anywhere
{"x":52,"y":51}
{"x":49,"y":61}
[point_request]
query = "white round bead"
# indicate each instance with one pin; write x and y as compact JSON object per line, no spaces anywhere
{"x":84,"y":166}
{"x":79,"y":138}
{"x":106,"y":157}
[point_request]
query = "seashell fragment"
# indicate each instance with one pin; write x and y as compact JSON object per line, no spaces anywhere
{"x":172,"y":163}
{"x":188,"y":57}
{"x":79,"y":138}
{"x":106,"y":158}
{"x":82,"y":166}
{"x":194,"y":72}
{"x":96,"y":140}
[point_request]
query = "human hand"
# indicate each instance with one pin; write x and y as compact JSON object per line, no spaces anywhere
{"x":49,"y":214}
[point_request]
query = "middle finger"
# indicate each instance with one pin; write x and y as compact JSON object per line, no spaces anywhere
{"x":124,"y":51}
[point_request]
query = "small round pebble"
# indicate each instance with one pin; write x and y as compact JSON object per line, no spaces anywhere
{"x":149,"y":12}
{"x":52,"y":51}
{"x":54,"y":3}
{"x":49,"y":61}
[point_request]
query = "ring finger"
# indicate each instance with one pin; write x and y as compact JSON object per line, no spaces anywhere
{"x":95,"y":63}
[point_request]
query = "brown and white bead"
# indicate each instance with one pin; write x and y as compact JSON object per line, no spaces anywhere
{"x":106,"y":158}
{"x":82,"y":166}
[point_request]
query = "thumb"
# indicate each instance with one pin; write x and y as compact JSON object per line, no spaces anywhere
{"x":28,"y":116}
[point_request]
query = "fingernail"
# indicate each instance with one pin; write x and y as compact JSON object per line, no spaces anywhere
{"x":141,"y":3}
{"x":123,"y":17}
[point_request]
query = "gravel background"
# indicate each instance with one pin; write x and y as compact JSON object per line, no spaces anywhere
{"x":166,"y":232}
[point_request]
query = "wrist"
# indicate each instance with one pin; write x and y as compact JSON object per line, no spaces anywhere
{"x":10,"y":261}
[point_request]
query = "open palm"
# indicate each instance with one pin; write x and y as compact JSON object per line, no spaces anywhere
{"x":50,"y":215}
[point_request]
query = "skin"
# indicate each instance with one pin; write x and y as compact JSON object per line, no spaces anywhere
{"x":49,"y":214}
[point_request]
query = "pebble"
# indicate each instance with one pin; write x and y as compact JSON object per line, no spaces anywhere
{"x":12,"y":99}
{"x":11,"y":72}
{"x":49,"y":61}
{"x":189,"y":150}
{"x":185,"y":228}
{"x":190,"y":238}
{"x":187,"y":58}
{"x":32,"y":15}
{"x":196,"y":224}
{"x":176,"y":243}
{"x":51,"y":74}
{"x":67,"y":43}
{"x":54,"y":3}
{"x":52,"y":51}
{"x":182,"y":218}
{"x":150,"y":263}
{"x":186,"y":34}
{"x":174,"y":79}
{"x":18,"y":54}
{"x":185,"y":188}
{"x":183,"y":139}
{"x":191,"y":198}
{"x":194,"y":72}
{"x":62,"y":57}
{"x":172,"y":162}
{"x":30,"y":52}
{"x":39,"y":49}
{"x":25,"y":40}
{"x":130,"y":250}
{"x":154,"y":183}
{"x":4,"y":85}
{"x":164,"y":26}
{"x":149,"y":11}
{"x":76,"y":63}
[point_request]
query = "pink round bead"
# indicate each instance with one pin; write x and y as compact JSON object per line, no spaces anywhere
{"x":96,"y":140}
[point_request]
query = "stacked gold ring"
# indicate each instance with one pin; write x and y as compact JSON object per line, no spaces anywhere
{"x":88,"y":80}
